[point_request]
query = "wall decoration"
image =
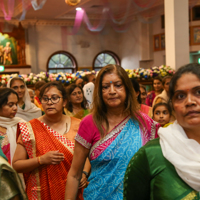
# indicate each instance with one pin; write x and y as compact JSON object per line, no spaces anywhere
{"x":156,"y":42}
{"x":162,"y":41}
{"x":195,"y":35}
{"x":8,"y":50}
{"x":12,"y":47}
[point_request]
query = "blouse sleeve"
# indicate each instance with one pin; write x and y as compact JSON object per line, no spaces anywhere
{"x":86,"y":131}
{"x":19,"y":136}
{"x":19,"y":140}
{"x":137,"y":177}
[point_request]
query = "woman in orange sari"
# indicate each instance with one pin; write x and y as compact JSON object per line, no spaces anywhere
{"x":45,"y":147}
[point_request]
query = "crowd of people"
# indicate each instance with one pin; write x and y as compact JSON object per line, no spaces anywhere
{"x":101,"y":137}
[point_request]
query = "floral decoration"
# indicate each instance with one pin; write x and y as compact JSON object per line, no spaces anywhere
{"x":67,"y":78}
{"x":146,"y":74}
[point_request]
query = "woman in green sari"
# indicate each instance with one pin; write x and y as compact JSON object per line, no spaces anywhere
{"x":10,"y":184}
{"x":168,"y":167}
{"x":76,"y":103}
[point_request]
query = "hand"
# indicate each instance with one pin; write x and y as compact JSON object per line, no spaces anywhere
{"x":83,"y":182}
{"x":52,"y":158}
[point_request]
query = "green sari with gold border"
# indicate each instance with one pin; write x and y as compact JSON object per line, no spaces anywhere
{"x":10,"y":183}
{"x":149,"y":176}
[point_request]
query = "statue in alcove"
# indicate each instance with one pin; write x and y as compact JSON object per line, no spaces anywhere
{"x":7,"y":54}
{"x":1,"y":54}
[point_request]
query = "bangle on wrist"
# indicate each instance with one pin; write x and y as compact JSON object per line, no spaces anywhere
{"x":38,"y":159}
{"x":87,"y":175}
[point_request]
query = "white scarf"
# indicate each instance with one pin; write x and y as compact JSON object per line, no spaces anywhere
{"x":88,"y":90}
{"x":182,"y":152}
{"x":163,"y":96}
{"x":31,"y":111}
{"x":11,"y":125}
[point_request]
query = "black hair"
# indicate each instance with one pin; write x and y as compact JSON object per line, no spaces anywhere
{"x":70,"y":89}
{"x":165,"y":78}
{"x":39,"y":85}
{"x":163,"y":104}
{"x":193,"y":68}
{"x":86,"y":78}
{"x":81,"y":83}
{"x":4,"y":93}
{"x":136,"y":87}
{"x":142,"y":86}
{"x":16,"y":79}
{"x":157,"y":78}
{"x":56,"y":84}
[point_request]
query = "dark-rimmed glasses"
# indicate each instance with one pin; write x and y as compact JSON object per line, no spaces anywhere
{"x":54,"y":99}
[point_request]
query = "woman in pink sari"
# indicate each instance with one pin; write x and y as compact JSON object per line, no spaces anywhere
{"x":109,"y":136}
{"x":158,"y":88}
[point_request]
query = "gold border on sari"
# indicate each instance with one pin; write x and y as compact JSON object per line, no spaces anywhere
{"x":32,"y":137}
{"x":191,"y":196}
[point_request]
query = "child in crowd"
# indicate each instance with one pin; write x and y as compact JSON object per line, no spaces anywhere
{"x":162,"y":113}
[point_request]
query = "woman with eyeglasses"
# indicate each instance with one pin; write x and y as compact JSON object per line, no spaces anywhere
{"x":25,"y":108}
{"x":45,"y":147}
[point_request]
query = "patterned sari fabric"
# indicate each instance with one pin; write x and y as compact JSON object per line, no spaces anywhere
{"x":146,"y":109}
{"x":47,"y":181}
{"x":10,"y":183}
{"x":5,"y":145}
{"x":151,"y":176}
{"x":111,"y":155}
{"x":150,"y":97}
{"x":79,"y":115}
{"x":38,"y":103}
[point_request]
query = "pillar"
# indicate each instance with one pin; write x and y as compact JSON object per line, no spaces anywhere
{"x":176,"y":33}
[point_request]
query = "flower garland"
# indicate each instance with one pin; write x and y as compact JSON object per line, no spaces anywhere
{"x":146,"y":74}
{"x":31,"y":79}
{"x":67,"y":78}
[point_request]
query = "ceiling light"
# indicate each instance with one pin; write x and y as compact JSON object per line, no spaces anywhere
{"x":78,"y":8}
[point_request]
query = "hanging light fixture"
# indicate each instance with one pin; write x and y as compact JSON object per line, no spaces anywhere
{"x":72,"y":2}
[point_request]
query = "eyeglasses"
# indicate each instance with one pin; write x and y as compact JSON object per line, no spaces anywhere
{"x":54,"y":99}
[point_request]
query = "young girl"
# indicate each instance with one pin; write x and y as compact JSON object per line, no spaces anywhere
{"x":162,"y":113}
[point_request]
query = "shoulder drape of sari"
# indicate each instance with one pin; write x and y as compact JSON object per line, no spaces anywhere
{"x":78,"y":115}
{"x":150,"y":128}
{"x":38,"y":103}
{"x":5,"y":145}
{"x":146,"y":109}
{"x":150,"y":176}
{"x":108,"y":169}
{"x":10,"y":183}
{"x":81,"y":114}
{"x":47,"y":181}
